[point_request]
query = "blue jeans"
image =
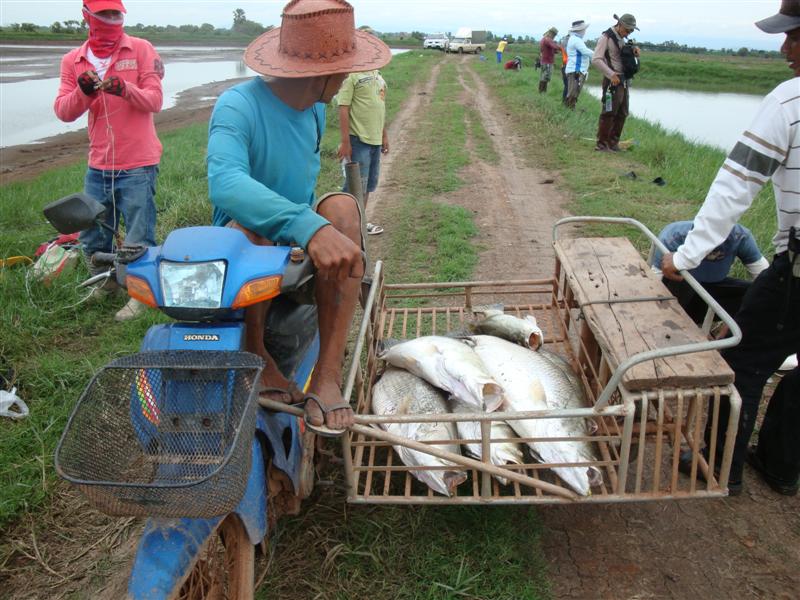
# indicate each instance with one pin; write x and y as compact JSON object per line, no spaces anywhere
{"x":129,"y":193}
{"x":499,"y":57}
{"x":368,"y":158}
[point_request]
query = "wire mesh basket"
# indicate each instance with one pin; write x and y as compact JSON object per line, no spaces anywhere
{"x":164,"y":434}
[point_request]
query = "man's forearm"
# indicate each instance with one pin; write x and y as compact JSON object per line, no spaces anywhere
{"x":344,"y":123}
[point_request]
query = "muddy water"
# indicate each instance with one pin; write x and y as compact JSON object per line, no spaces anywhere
{"x":29,"y":82}
{"x":708,"y":118}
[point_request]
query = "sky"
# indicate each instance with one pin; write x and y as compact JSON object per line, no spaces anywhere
{"x":709,"y":23}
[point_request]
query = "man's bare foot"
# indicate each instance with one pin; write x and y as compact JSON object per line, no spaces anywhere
{"x":276,"y":387}
{"x":329,"y":393}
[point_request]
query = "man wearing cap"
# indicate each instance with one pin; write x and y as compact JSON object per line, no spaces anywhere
{"x":117,"y":78}
{"x":263,"y":163}
{"x":579,"y":56}
{"x":770,"y":313}
{"x":501,"y":47}
{"x":547,"y":53}
{"x":607,"y":58}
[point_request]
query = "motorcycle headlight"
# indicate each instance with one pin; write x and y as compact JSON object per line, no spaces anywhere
{"x":193,"y":285}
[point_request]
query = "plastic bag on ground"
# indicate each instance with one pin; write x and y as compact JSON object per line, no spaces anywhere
{"x":12,"y":406}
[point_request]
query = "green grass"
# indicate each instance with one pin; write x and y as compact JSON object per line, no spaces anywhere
{"x":563,"y":140}
{"x":697,"y":72}
{"x":53,"y":345}
{"x":403,"y":553}
{"x":429,"y":239}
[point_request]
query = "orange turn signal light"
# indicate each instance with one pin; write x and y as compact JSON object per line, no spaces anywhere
{"x":139,"y":289}
{"x":258,"y":290}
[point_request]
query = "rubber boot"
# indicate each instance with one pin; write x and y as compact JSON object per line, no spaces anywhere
{"x":542,"y":87}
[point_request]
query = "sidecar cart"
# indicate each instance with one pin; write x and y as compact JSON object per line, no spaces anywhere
{"x":651,"y":377}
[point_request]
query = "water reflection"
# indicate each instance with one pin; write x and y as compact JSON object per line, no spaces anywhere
{"x":26,"y":107}
{"x":715,"y":119}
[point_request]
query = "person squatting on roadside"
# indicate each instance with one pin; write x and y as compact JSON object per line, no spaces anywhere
{"x":770,"y":313}
{"x":713,"y":272}
{"x":607,"y":58}
{"x":515,"y":64}
{"x":117,"y":78}
{"x":362,"y":125}
{"x":501,"y":47}
{"x":579,"y":57}
{"x":263,"y":164}
{"x":547,"y":52}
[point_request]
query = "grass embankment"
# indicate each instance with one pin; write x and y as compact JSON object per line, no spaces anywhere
{"x":563,"y":140}
{"x":678,"y":70}
{"x":51,"y":343}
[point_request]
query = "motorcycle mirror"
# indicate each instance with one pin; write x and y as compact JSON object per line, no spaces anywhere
{"x":73,"y":213}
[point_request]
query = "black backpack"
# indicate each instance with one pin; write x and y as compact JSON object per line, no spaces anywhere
{"x":630,"y":63}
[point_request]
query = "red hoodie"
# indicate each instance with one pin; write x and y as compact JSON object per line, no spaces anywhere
{"x":122,"y":134}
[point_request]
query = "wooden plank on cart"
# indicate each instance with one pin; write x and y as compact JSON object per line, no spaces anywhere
{"x":603,"y":272}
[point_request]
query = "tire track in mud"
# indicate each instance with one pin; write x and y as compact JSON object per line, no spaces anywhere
{"x":517,"y":203}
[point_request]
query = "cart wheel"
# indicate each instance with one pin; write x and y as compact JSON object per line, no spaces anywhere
{"x":225,"y":566}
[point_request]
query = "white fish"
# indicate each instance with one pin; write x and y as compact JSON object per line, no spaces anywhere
{"x":502,"y":453}
{"x":533,"y":381}
{"x":449,"y":364}
{"x":525,"y":331}
{"x":399,"y":392}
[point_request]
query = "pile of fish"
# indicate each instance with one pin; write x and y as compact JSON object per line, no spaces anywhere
{"x":498,"y":365}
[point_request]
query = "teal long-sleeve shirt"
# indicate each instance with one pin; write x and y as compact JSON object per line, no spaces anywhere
{"x":263,"y":163}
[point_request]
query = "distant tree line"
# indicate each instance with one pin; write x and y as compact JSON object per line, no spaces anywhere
{"x":243,"y":26}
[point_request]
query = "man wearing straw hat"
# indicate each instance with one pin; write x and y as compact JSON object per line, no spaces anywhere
{"x":579,"y":56}
{"x":263,"y":163}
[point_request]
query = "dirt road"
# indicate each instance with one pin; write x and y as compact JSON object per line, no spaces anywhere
{"x":746,"y":547}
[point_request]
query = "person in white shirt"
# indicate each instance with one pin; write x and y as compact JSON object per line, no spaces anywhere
{"x":579,"y":57}
{"x":770,"y":313}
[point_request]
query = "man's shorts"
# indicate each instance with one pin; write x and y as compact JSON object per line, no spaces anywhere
{"x":368,"y":158}
{"x":547,"y":72}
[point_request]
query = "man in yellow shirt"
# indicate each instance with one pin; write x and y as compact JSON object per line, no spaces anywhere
{"x":362,"y":124}
{"x":501,"y":47}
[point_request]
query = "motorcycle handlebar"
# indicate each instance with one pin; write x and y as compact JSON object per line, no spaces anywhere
{"x":104,"y":259}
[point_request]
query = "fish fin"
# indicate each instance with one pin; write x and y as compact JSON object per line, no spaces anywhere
{"x":462,"y":335}
{"x":487,"y":309}
{"x":387,"y":344}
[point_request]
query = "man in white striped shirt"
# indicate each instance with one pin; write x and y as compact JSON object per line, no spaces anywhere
{"x":770,"y":313}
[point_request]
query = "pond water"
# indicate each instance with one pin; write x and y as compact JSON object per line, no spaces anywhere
{"x":29,"y":82}
{"x":716,"y":119}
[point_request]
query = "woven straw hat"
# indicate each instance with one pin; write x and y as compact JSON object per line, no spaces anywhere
{"x":316,"y":38}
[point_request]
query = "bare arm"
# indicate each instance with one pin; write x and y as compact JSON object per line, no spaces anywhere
{"x":344,"y":152}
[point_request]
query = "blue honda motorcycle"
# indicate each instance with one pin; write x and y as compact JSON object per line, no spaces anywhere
{"x":174,"y":433}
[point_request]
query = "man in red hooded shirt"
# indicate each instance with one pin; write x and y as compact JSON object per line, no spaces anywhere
{"x":117,"y":78}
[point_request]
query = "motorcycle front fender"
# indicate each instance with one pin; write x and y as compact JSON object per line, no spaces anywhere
{"x":169,"y":548}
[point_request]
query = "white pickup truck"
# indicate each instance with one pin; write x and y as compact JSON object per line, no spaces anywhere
{"x":467,"y":40}
{"x":436,"y":40}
